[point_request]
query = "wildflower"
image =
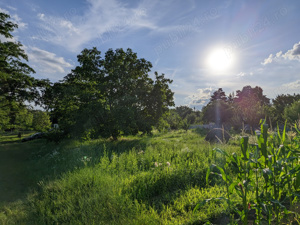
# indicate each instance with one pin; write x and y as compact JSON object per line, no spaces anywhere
{"x":168,"y":164}
{"x":141,"y":152}
{"x":159,"y":164}
{"x":156,"y":164}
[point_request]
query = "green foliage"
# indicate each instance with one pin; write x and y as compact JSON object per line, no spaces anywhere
{"x":292,"y":113}
{"x":16,"y":84}
{"x":41,"y":121}
{"x":218,"y":112}
{"x":268,"y":172}
{"x":111,"y":96}
{"x":280,"y":103}
{"x":174,"y":120}
{"x":131,"y":181}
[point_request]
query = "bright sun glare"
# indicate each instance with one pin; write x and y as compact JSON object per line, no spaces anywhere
{"x":218,"y":60}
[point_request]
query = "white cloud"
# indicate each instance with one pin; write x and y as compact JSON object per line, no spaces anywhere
{"x":292,"y":54}
{"x":102,"y":21}
{"x":4,"y":11}
{"x":41,"y":16}
{"x":293,"y":85}
{"x":268,"y":60}
{"x":15,"y":18}
{"x":243,"y":74}
{"x":11,"y":8}
{"x":200,"y":98}
{"x":47,"y":62}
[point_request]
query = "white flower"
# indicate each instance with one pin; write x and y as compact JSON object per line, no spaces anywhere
{"x":168,"y":164}
{"x":156,"y":164}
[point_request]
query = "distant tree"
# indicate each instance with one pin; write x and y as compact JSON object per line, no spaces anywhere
{"x":185,"y":125}
{"x":280,"y":103}
{"x":174,"y":120}
{"x":191,"y":118}
{"x":23,"y":119}
{"x":218,"y":95}
{"x":250,"y":103}
{"x":217,"y":111}
{"x":183,"y":111}
{"x":292,"y":113}
{"x":254,"y":93}
{"x":41,"y":121}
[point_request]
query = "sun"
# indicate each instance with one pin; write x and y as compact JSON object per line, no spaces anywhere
{"x":219,"y":61}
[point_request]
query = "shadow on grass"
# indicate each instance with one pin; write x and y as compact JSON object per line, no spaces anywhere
{"x":201,"y":131}
{"x":15,"y":179}
{"x":12,"y":137}
{"x":163,"y":188}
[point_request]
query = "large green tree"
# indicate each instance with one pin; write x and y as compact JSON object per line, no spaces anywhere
{"x":109,"y":96}
{"x":16,"y":84}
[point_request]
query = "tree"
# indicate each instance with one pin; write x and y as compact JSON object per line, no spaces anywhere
{"x":255,"y":93}
{"x":109,"y":96}
{"x":292,"y":113}
{"x":280,"y":103}
{"x":41,"y":121}
{"x":16,"y":84}
{"x":183,"y":111}
{"x":174,"y":120}
{"x":217,"y":111}
{"x":219,"y":95}
{"x":250,"y":103}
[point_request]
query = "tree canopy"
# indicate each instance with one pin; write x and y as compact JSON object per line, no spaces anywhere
{"x":16,"y":84}
{"x":109,"y":96}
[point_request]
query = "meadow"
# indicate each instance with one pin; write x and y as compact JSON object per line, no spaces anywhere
{"x":166,"y":178}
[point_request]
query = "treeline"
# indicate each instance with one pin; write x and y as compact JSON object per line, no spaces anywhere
{"x":249,"y":106}
{"x":244,"y":108}
{"x":105,"y":96}
{"x":113,"y":94}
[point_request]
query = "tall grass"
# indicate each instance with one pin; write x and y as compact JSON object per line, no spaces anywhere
{"x":137,"y":180}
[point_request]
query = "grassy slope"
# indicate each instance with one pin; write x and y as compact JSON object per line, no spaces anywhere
{"x":110,"y":183}
{"x":14,"y":180}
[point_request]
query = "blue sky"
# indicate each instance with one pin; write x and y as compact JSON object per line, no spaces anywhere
{"x":259,"y":40}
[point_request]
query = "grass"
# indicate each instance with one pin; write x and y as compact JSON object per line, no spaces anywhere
{"x":136,"y":180}
{"x":12,"y":137}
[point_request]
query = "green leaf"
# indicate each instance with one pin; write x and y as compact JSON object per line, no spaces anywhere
{"x":220,"y":151}
{"x":297,"y":182}
{"x":207,"y":175}
{"x":244,"y":147}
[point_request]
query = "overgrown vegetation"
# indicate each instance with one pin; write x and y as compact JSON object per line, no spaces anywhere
{"x":265,"y":176}
{"x":90,"y":170}
{"x":150,"y":180}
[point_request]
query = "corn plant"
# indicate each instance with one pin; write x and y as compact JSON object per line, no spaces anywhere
{"x":268,"y":170}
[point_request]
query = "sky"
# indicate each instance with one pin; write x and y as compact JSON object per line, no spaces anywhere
{"x":200,"y":45}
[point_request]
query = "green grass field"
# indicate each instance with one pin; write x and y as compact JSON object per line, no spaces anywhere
{"x":156,"y":179}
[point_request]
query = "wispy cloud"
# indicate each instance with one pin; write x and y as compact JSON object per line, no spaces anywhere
{"x":15,"y":18}
{"x":101,"y":22}
{"x":47,"y":62}
{"x":293,"y":85}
